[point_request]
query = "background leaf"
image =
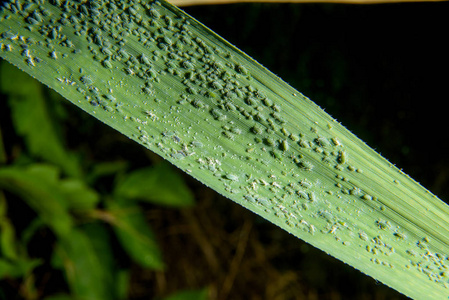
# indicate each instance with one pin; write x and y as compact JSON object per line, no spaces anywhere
{"x":33,"y":119}
{"x":87,"y":277}
{"x":78,"y":195}
{"x":7,"y":239}
{"x":37,"y":184}
{"x":135,"y":235}
{"x":160,"y":184}
{"x":18,"y":268}
{"x":189,"y":295}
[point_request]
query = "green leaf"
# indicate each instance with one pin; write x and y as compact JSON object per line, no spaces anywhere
{"x":101,"y":169}
{"x":37,"y":185}
{"x":100,"y":239}
{"x":18,"y":268}
{"x":160,"y":184}
{"x":8,"y":247}
{"x":122,"y":284}
{"x":77,"y":195}
{"x":85,"y":274}
{"x":135,"y":235}
{"x":29,"y":108}
{"x":189,"y":295}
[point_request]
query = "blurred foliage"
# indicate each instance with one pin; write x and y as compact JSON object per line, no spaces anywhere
{"x":45,"y":186}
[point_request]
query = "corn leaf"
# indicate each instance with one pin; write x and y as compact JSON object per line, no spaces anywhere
{"x":163,"y":79}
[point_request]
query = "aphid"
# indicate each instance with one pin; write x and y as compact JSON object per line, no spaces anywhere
{"x":363,"y":236}
{"x":187,"y":65}
{"x":106,"y":51}
{"x":383,"y":225}
{"x":198,"y":103}
{"x":147,"y":90}
{"x":303,"y":143}
{"x":30,"y":62}
{"x":312,"y":197}
{"x":236,"y":130}
{"x":110,"y":97}
{"x":241,"y":69}
{"x":400,"y":235}
{"x":28,"y":6}
{"x":333,"y":229}
{"x":217,"y":114}
{"x":154,"y":13}
{"x":132,"y":11}
{"x":270,"y":141}
{"x":302,"y":194}
{"x":321,"y":142}
{"x":306,"y":165}
{"x":312,"y":229}
{"x":305,"y":183}
{"x":335,"y":141}
{"x":26,"y":53}
{"x":123,"y":53}
{"x":284,"y":131}
{"x":216,"y":85}
{"x":145,"y":59}
{"x":276,"y":154}
{"x":32,"y":21}
{"x":129,"y":71}
{"x":251,"y":101}
{"x":367,"y":197}
{"x":86,"y":80}
{"x":232,"y":177}
{"x":284,"y":145}
{"x":342,"y":157}
{"x":256,"y":129}
{"x":267,"y":102}
{"x":53,"y":55}
{"x":107,"y":64}
{"x":228,"y":135}
{"x":355,"y":191}
{"x":230,"y":106}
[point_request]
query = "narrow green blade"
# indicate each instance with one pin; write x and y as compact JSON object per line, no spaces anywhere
{"x":160,"y":77}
